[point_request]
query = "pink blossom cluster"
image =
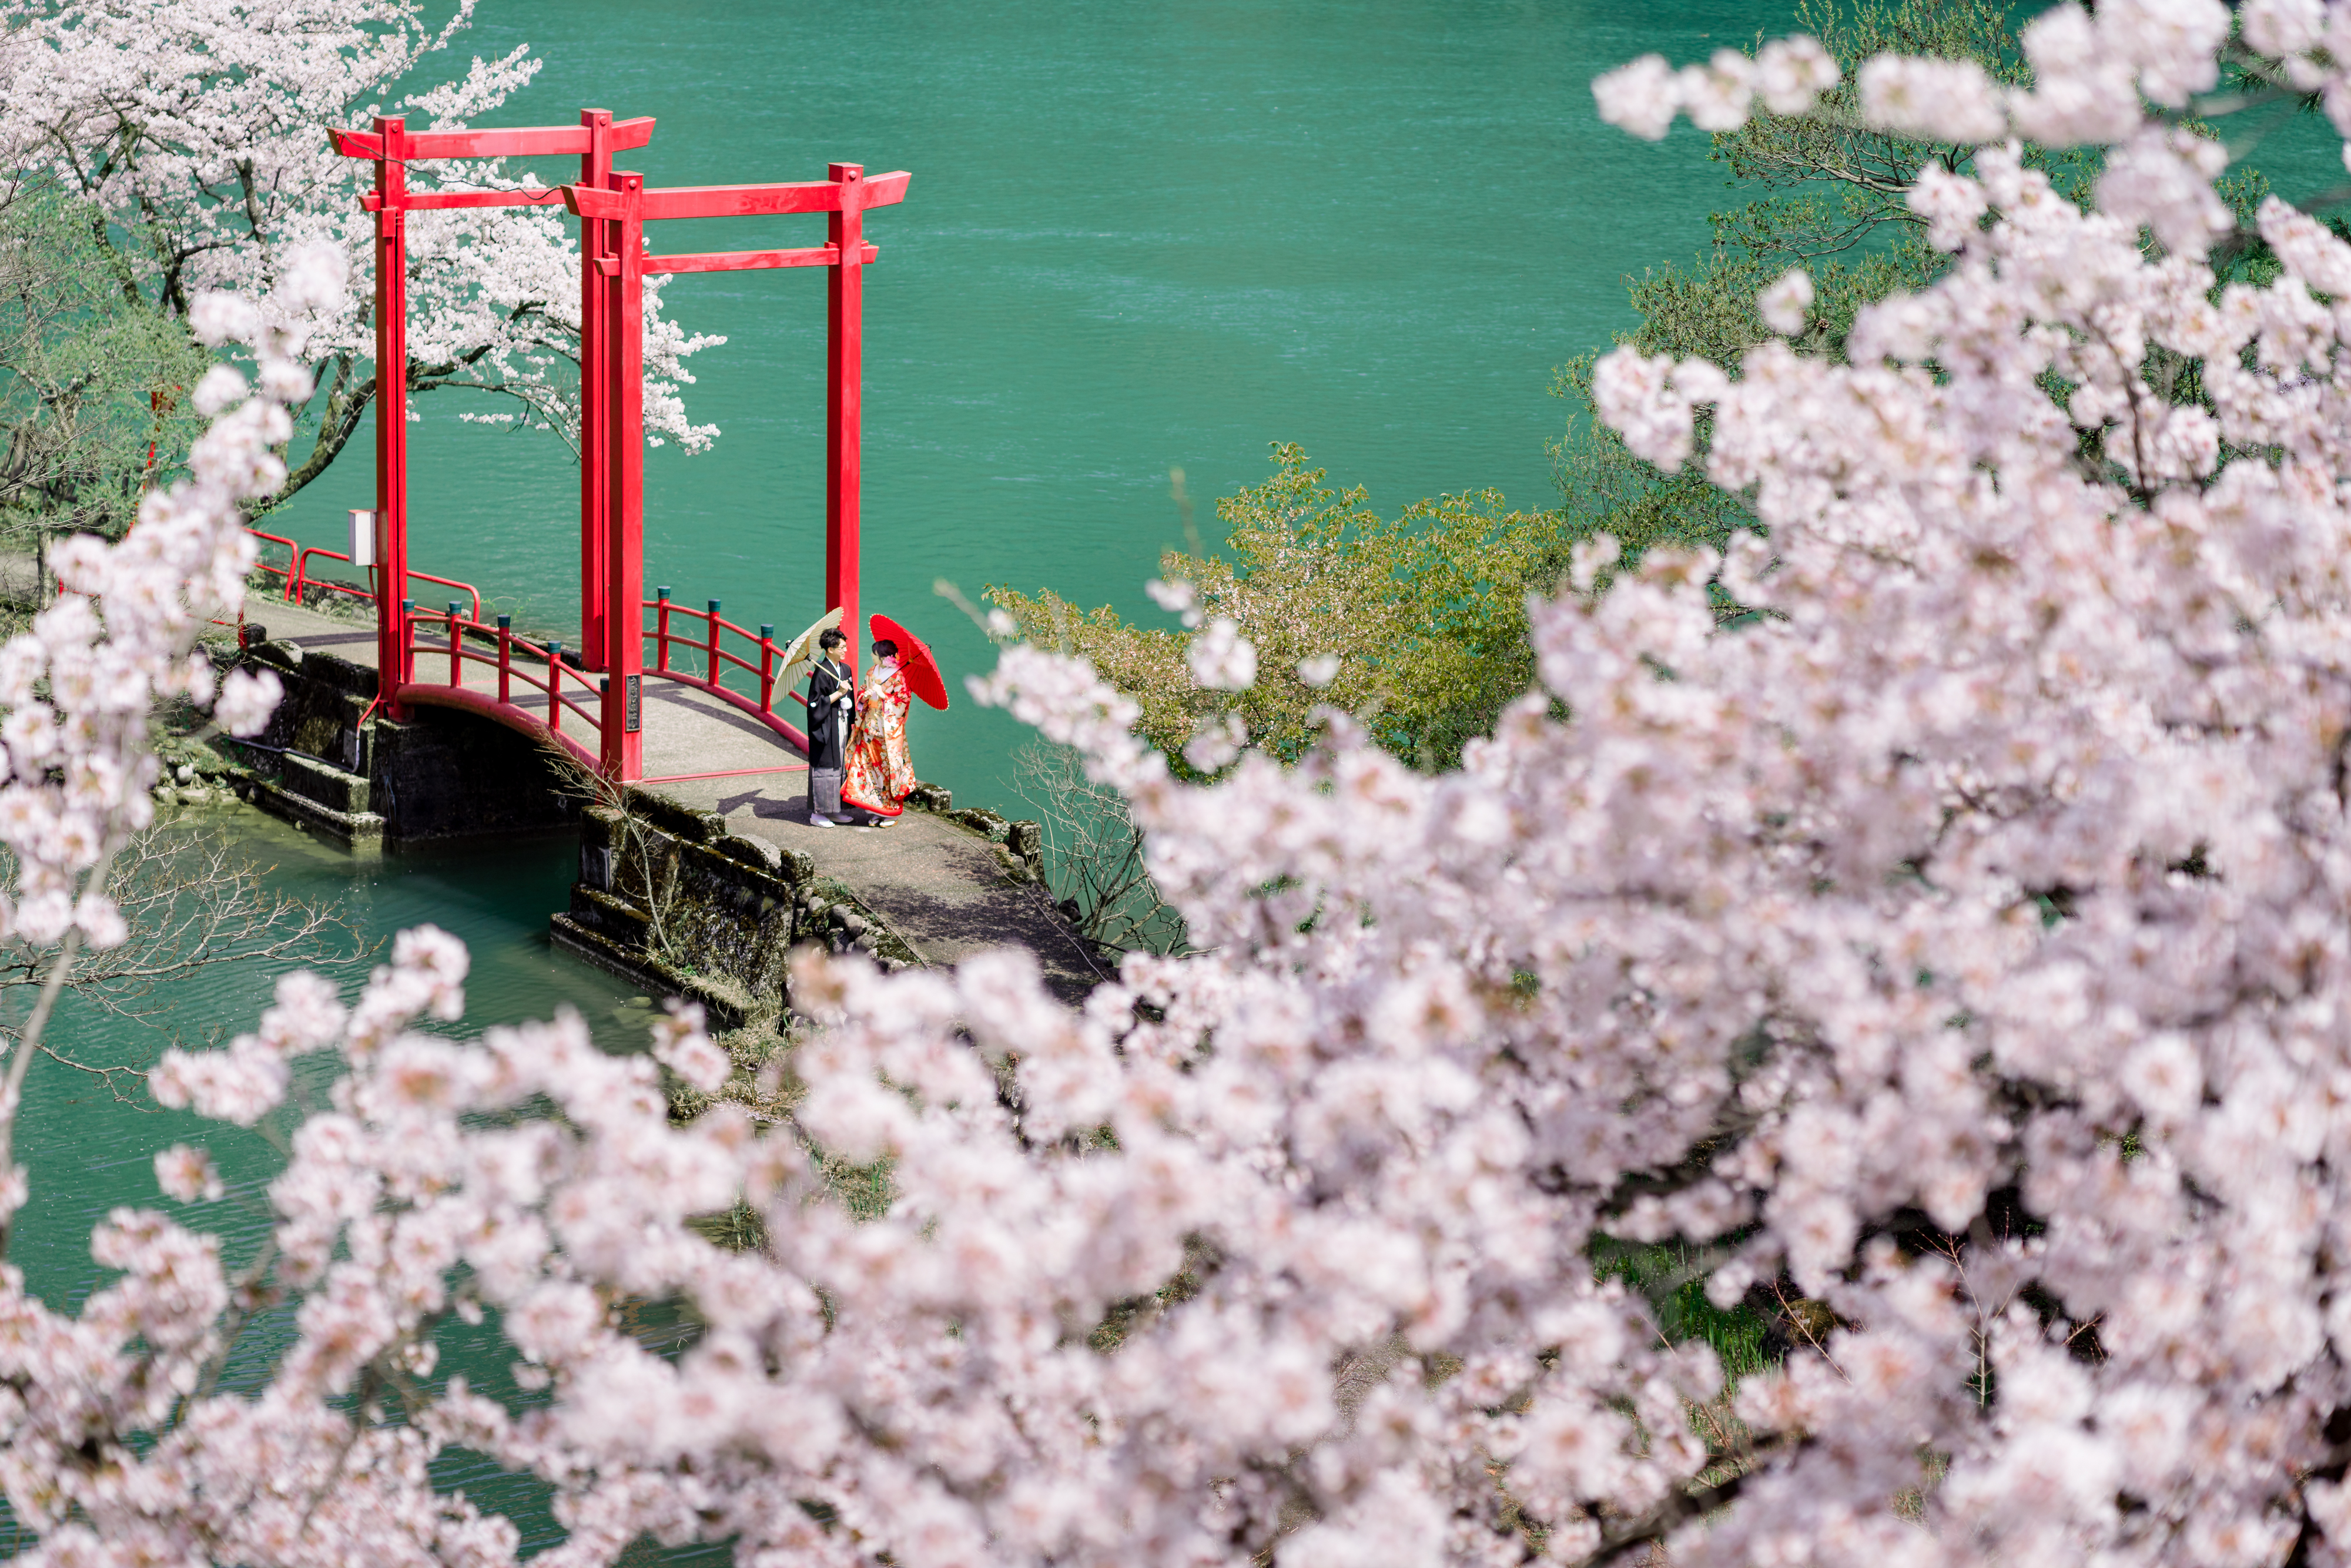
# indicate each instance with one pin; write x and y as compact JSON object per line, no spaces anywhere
{"x":1787,"y":73}
{"x":2090,"y":71}
{"x":926,"y":1377}
{"x":204,"y":124}
{"x":77,"y":690}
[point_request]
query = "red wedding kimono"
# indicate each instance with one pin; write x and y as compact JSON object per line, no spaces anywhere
{"x":881,"y":775}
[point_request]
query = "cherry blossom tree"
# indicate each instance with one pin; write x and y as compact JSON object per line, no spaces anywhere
{"x":195,"y":131}
{"x":1957,"y":940}
{"x":79,"y":688}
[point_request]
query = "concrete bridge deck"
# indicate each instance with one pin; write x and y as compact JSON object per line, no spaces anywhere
{"x":943,"y":889}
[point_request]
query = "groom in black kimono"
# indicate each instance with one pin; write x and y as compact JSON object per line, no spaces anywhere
{"x":831,"y":703}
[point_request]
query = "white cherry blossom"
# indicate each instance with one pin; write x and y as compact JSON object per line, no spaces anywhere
{"x":1784,"y":306}
{"x":199,"y":126}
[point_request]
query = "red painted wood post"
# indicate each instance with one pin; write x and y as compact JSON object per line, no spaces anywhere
{"x":713,"y":641}
{"x":457,"y":648}
{"x":661,"y":630}
{"x":844,"y":369}
{"x":506,"y":658}
{"x":392,"y":658}
{"x":555,"y":687}
{"x":767,"y":669}
{"x":596,"y":284}
{"x":623,"y":752}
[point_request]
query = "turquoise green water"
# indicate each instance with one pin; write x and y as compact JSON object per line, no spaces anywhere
{"x":1138,"y":237}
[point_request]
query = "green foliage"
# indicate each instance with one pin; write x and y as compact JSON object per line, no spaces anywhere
{"x":1743,"y":1338}
{"x":1426,"y":611}
{"x":91,"y":379}
{"x":866,"y":1191}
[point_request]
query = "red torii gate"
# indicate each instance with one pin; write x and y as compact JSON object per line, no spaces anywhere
{"x":392,"y":148}
{"x":612,"y":206}
{"x":614,"y":379}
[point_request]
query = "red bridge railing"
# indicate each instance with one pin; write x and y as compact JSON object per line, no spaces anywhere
{"x":299,"y":580}
{"x":515,"y":661}
{"x":704,"y":660}
{"x":566,"y":702}
{"x":530,"y":685}
{"x":293,"y":554}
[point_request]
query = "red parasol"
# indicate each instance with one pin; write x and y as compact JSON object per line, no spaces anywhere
{"x":923,"y":676}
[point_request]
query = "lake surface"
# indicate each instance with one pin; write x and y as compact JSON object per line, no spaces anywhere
{"x":1137,"y":238}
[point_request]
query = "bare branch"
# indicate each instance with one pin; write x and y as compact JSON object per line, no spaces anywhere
{"x":191,"y":902}
{"x":1094,"y":855}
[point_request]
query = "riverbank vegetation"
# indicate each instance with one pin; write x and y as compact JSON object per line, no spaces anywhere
{"x":1414,"y":623}
{"x":94,"y":404}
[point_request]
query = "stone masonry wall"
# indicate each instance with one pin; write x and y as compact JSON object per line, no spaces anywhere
{"x":670,"y":898}
{"x":331,"y":760}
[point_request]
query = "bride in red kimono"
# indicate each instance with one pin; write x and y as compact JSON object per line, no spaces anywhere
{"x":880,"y":775}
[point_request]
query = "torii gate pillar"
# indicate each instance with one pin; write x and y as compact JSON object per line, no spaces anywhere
{"x":844,"y":375}
{"x":392,"y":409}
{"x":595,"y":395}
{"x":623,"y":724}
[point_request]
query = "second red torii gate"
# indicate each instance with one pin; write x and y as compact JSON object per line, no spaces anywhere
{"x":613,"y":380}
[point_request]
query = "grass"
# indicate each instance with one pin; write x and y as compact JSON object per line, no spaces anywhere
{"x":1670,"y":1275}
